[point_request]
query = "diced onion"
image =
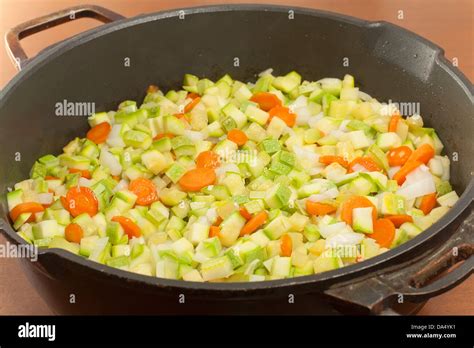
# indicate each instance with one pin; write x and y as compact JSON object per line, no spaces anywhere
{"x":343,"y":125}
{"x":45,"y":198}
{"x":122,"y":185}
{"x":314,"y":119}
{"x":364,"y":96}
{"x":327,"y":230}
{"x":85,"y":182}
{"x":418,"y":183}
{"x":346,"y":237}
{"x":329,"y":194}
{"x":193,"y":135}
{"x":359,"y":168}
{"x":110,"y":161}
{"x":302,"y":115}
{"x":114,"y":139}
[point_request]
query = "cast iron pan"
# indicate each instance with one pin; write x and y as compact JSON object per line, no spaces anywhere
{"x":387,"y":61}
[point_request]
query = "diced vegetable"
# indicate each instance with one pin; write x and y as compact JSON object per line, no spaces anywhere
{"x":229,"y":181}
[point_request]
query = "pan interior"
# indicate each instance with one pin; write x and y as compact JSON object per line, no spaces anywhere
{"x":386,"y":62}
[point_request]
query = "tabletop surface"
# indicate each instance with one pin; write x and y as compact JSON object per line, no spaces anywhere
{"x":447,"y":23}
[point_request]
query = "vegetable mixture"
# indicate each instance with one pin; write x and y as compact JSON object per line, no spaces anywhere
{"x":233,"y":181}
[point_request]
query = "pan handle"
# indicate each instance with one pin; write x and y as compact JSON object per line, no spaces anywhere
{"x":432,"y":274}
{"x":14,"y":35}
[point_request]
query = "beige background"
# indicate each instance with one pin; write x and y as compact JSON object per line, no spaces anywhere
{"x":448,"y":23}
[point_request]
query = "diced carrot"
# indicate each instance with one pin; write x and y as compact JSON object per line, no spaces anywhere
{"x":328,"y":159}
{"x":192,"y":95}
{"x":422,"y":154}
{"x":245,"y":213}
{"x":265,"y":100}
{"x":428,"y":202}
{"x":218,"y":221}
{"x":366,"y":162}
{"x":84,"y":172}
{"x":208,"y":159}
{"x":145,"y":190}
{"x":286,"y":245}
{"x":254,"y":223}
{"x":214,"y":231}
{"x":152,"y":89}
{"x":284,"y":113}
{"x":399,"y":156}
{"x":356,"y":202}
{"x":181,"y":116}
{"x":319,"y":209}
{"x":407,"y":168}
{"x":196,"y":179}
{"x":99,"y":133}
{"x":163,"y":135}
{"x":399,"y":220}
{"x":384,"y":232}
{"x":79,"y":200}
{"x":392,"y":126}
{"x":115,"y":177}
{"x":192,"y":104}
{"x":129,"y":227}
{"x":73,"y":233}
{"x":27,"y":207}
{"x":49,"y":177}
{"x":237,"y":136}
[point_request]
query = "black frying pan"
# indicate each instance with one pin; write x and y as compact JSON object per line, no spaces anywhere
{"x":387,"y":61}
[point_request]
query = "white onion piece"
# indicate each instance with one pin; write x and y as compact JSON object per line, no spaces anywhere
{"x":301,"y":101}
{"x":45,"y":198}
{"x":329,"y":194}
{"x":266,"y":72}
{"x":418,"y":174}
{"x":306,"y":157}
{"x":418,"y":189}
{"x":392,"y":171}
{"x":211,"y":215}
{"x":114,"y":139}
{"x":343,"y":125}
{"x":110,"y":161}
{"x":204,"y":221}
{"x":327,"y":230}
{"x":60,"y":190}
{"x":193,"y":135}
{"x":337,"y":133}
{"x":302,"y":115}
{"x":364,"y":96}
{"x":84,"y":182}
{"x":344,"y":238}
{"x":359,"y":168}
{"x":201,"y":258}
{"x":314,"y":120}
{"x":315,"y":170}
{"x":418,"y":183}
{"x":122,"y":185}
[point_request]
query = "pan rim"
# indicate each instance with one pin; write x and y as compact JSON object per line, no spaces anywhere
{"x":353,"y":271}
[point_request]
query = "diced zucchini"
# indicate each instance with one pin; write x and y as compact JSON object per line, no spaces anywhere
{"x":288,"y":82}
{"x":362,"y":220}
{"x":230,"y":229}
{"x":449,"y":199}
{"x":217,"y":268}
